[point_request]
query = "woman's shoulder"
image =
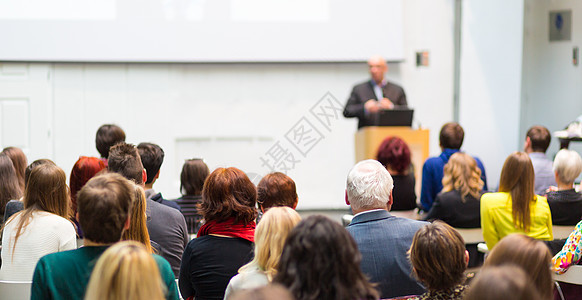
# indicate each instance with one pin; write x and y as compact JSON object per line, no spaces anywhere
{"x":45,"y":218}
{"x":249,"y":279}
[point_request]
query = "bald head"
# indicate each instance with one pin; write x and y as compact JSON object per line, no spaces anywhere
{"x":369,"y":186}
{"x":377,"y":66}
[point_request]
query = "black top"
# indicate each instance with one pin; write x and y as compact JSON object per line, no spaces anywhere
{"x":403,"y":192}
{"x":566,"y":207}
{"x":450,"y":208}
{"x":208,"y":264}
{"x":189,"y":207}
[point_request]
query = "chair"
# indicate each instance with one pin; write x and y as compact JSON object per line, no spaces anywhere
{"x":471,"y":235}
{"x":562,"y":232}
{"x":15,"y":290}
{"x":573,"y":275}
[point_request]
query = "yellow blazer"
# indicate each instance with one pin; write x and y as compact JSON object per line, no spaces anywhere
{"x":497,"y":220}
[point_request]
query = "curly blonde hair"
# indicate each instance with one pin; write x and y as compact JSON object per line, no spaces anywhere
{"x":462,"y":174}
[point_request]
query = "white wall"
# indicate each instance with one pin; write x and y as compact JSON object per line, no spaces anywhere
{"x":490,"y":81}
{"x":231,"y":114}
{"x":552,"y":85}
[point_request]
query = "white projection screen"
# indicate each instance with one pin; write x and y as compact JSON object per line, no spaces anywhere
{"x":200,"y":30}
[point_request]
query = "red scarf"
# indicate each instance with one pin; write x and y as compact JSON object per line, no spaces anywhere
{"x":228,"y":228}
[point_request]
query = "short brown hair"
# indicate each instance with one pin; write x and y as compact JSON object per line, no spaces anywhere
{"x":451,"y":136}
{"x":125,"y":160}
{"x":228,"y":193}
{"x":276,"y":189}
{"x":437,"y":254}
{"x":540,"y":138}
{"x":152,"y":157}
{"x":531,"y":255}
{"x":194,"y":173}
{"x":104,"y":204}
{"x":107,"y":136}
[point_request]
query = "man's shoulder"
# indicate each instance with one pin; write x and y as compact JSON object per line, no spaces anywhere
{"x":362,"y":85}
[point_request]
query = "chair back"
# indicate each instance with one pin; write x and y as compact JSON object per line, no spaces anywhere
{"x":573,"y":275}
{"x":15,"y":290}
{"x":471,"y":235}
{"x":562,"y":232}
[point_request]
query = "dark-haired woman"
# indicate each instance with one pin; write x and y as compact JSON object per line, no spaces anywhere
{"x":194,"y":173}
{"x":516,"y":208}
{"x":394,"y":154}
{"x":9,"y":186}
{"x":225,"y":241}
{"x":320,"y":260}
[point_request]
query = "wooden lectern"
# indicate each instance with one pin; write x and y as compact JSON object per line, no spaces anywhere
{"x":369,"y":138}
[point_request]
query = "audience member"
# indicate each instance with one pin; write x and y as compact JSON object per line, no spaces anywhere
{"x":194,"y":172}
{"x":107,"y":136}
{"x":138,"y":230}
{"x":14,"y":206}
{"x":565,"y":203}
{"x":104,"y":205}
{"x":394,"y":154}
{"x":125,"y":270}
{"x":269,"y":240}
{"x":458,"y":203}
{"x":515,"y":208}
{"x":20,"y":162}
{"x":527,"y":253}
{"x":9,"y":186}
{"x":494,"y":283}
{"x":569,"y":255}
{"x":152,"y":157}
{"x":225,"y":241}
{"x":83,"y":170}
{"x":41,"y":228}
{"x":320,"y":260}
{"x":276,"y":189}
{"x":451,"y":138}
{"x":383,"y":239}
{"x":166,"y":225}
{"x":537,"y":141}
{"x":268,"y":292}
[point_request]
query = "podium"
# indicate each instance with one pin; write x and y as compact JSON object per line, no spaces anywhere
{"x":369,"y":138}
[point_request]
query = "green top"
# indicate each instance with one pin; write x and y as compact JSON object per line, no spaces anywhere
{"x":65,"y":275}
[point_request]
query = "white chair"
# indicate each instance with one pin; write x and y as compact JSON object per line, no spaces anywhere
{"x":562,"y":232}
{"x":573,"y":275}
{"x":471,"y":235}
{"x":15,"y":290}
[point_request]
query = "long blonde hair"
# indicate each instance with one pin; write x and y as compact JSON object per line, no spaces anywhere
{"x":462,"y":174}
{"x":138,"y":230}
{"x":126,"y":271}
{"x":270,"y":237}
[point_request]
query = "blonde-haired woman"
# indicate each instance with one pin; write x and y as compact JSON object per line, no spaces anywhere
{"x":126,"y":271}
{"x":41,"y":228}
{"x":458,"y":203}
{"x":270,"y":237}
{"x":138,"y":230}
{"x":516,"y":208}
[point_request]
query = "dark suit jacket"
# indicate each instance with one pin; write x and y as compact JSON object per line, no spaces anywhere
{"x":364,"y":92}
{"x":450,"y":208}
{"x":383,"y":240}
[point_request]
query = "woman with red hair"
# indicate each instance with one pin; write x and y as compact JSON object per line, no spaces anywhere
{"x":84,"y":169}
{"x":394,"y":154}
{"x":225,"y":241}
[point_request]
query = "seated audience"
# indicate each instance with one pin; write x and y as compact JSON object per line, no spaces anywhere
{"x":320,"y":260}
{"x":138,"y":230}
{"x":271,"y":291}
{"x":14,"y":206}
{"x":383,"y":239}
{"x":41,"y":228}
{"x":537,"y":141}
{"x":103,"y":207}
{"x":225,"y":241}
{"x":515,"y":208}
{"x":565,"y":203}
{"x":451,"y":138}
{"x":9,"y":186}
{"x":166,"y":225}
{"x":494,"y":283}
{"x":439,"y":260}
{"x":394,"y":154}
{"x":458,"y":204}
{"x":194,"y":172}
{"x":152,"y":157}
{"x":20,"y":162}
{"x":276,"y":189}
{"x":106,"y":137}
{"x":270,"y":236}
{"x":527,"y":253}
{"x":126,"y":270}
{"x":83,"y":170}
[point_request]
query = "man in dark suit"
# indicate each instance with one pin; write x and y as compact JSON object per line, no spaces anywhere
{"x":375,"y":94}
{"x":382,"y":239}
